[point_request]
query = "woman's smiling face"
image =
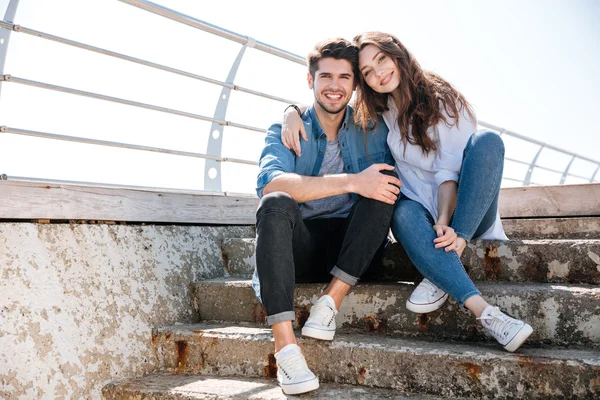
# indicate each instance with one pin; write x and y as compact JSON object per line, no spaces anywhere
{"x":378,"y":69}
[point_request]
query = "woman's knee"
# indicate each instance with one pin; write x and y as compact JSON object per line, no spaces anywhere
{"x":487,"y":141}
{"x":405,"y":215}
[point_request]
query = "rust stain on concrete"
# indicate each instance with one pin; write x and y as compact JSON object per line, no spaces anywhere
{"x":473,"y":371}
{"x":270,"y":370}
{"x":181,"y":353}
{"x":595,"y":384}
{"x":362,"y":376}
{"x":155,"y":337}
{"x":225,"y":258}
{"x":301,"y":316}
{"x":423,"y":322}
{"x":375,"y":324}
{"x":259,"y":314}
{"x":492,"y":264}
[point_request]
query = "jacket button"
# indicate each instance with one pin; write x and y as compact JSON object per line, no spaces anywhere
{"x":320,"y":153}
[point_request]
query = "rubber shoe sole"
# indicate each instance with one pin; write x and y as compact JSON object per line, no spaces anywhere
{"x":519,"y":338}
{"x":301,"y":387}
{"x":426,"y":308}
{"x":317,"y":333}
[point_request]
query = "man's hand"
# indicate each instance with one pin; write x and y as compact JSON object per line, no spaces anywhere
{"x":373,"y":184}
{"x":291,"y":129}
{"x":446,"y":237}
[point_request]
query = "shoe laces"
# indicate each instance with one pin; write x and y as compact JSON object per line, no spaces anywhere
{"x":499,"y":323}
{"x":293,"y":365}
{"x":322,"y":312}
{"x":427,"y":287}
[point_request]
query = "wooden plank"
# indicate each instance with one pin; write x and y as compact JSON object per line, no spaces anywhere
{"x":550,"y":201}
{"x":26,"y":200}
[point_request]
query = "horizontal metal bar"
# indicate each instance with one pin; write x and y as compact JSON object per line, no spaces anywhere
{"x":13,"y":79}
{"x":517,"y":161}
{"x":206,"y":27}
{"x":24,"y":132}
{"x":514,"y":134}
{"x":21,"y":29}
{"x":541,"y":167}
{"x":587,"y":178}
{"x":58,"y":182}
{"x":513,"y":179}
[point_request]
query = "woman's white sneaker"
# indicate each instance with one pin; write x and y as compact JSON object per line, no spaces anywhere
{"x":508,"y":331}
{"x":426,"y":298}
{"x":321,"y":321}
{"x":293,"y":374}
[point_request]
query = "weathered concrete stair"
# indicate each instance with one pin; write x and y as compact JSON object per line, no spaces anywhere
{"x":445,"y":369}
{"x":559,"y":314}
{"x":552,"y":228}
{"x":549,"y":277}
{"x":185,"y":387}
{"x":547,"y":260}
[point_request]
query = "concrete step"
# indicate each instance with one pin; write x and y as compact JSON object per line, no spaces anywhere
{"x":175,"y":387}
{"x":552,"y":228}
{"x":559,"y":314}
{"x":409,"y":366}
{"x":552,"y":261}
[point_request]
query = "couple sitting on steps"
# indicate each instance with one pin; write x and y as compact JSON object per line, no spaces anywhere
{"x":330,"y":192}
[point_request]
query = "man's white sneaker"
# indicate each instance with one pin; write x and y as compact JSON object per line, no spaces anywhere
{"x":321,"y":321}
{"x":508,"y":331}
{"x":426,"y":298}
{"x":293,"y":374}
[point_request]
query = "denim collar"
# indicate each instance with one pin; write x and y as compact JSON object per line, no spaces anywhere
{"x":310,"y":117}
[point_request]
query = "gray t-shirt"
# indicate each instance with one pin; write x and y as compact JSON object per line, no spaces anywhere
{"x":335,"y":206}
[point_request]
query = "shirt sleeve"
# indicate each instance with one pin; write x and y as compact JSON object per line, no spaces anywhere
{"x":452,"y":143}
{"x":275,"y":159}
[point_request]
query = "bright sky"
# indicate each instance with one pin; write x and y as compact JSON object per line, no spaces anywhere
{"x":528,"y":66}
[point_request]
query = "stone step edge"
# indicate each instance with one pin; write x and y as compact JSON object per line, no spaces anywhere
{"x":483,"y":351}
{"x":557,"y":261}
{"x":525,"y":286}
{"x":559,"y":227}
{"x":209,"y":387}
{"x":379,"y":308}
{"x":448,"y":369}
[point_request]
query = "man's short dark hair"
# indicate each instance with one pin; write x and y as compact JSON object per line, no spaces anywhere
{"x":339,"y":49}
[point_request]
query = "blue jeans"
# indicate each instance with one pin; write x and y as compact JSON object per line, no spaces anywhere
{"x":476,"y":209}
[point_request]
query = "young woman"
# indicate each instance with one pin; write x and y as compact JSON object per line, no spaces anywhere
{"x":450,"y":174}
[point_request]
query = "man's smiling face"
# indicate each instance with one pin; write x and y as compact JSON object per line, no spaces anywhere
{"x":332,"y":85}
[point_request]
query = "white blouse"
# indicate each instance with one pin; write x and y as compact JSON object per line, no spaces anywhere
{"x":422,"y":174}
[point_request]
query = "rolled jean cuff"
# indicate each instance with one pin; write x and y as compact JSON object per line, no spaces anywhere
{"x":344,"y":277}
{"x":462,"y":235}
{"x":281,"y":317}
{"x":467,"y":296}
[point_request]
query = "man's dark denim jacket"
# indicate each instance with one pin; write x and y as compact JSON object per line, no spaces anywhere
{"x":276,"y":159}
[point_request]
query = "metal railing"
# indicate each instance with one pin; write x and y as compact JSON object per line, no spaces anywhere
{"x":213,"y":155}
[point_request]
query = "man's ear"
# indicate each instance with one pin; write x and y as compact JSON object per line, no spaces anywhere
{"x":309,"y":78}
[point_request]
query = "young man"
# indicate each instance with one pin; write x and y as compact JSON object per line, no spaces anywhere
{"x":324,"y":212}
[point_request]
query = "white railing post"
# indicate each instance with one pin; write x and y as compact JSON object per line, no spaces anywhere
{"x":9,"y":16}
{"x":527,"y":180}
{"x":212,"y":168}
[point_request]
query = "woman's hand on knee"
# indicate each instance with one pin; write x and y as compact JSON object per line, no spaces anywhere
{"x":446,"y":237}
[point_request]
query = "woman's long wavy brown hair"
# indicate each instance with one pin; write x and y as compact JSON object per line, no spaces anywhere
{"x":420,"y":95}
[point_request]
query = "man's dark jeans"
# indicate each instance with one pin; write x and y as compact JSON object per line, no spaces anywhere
{"x":290,"y":249}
